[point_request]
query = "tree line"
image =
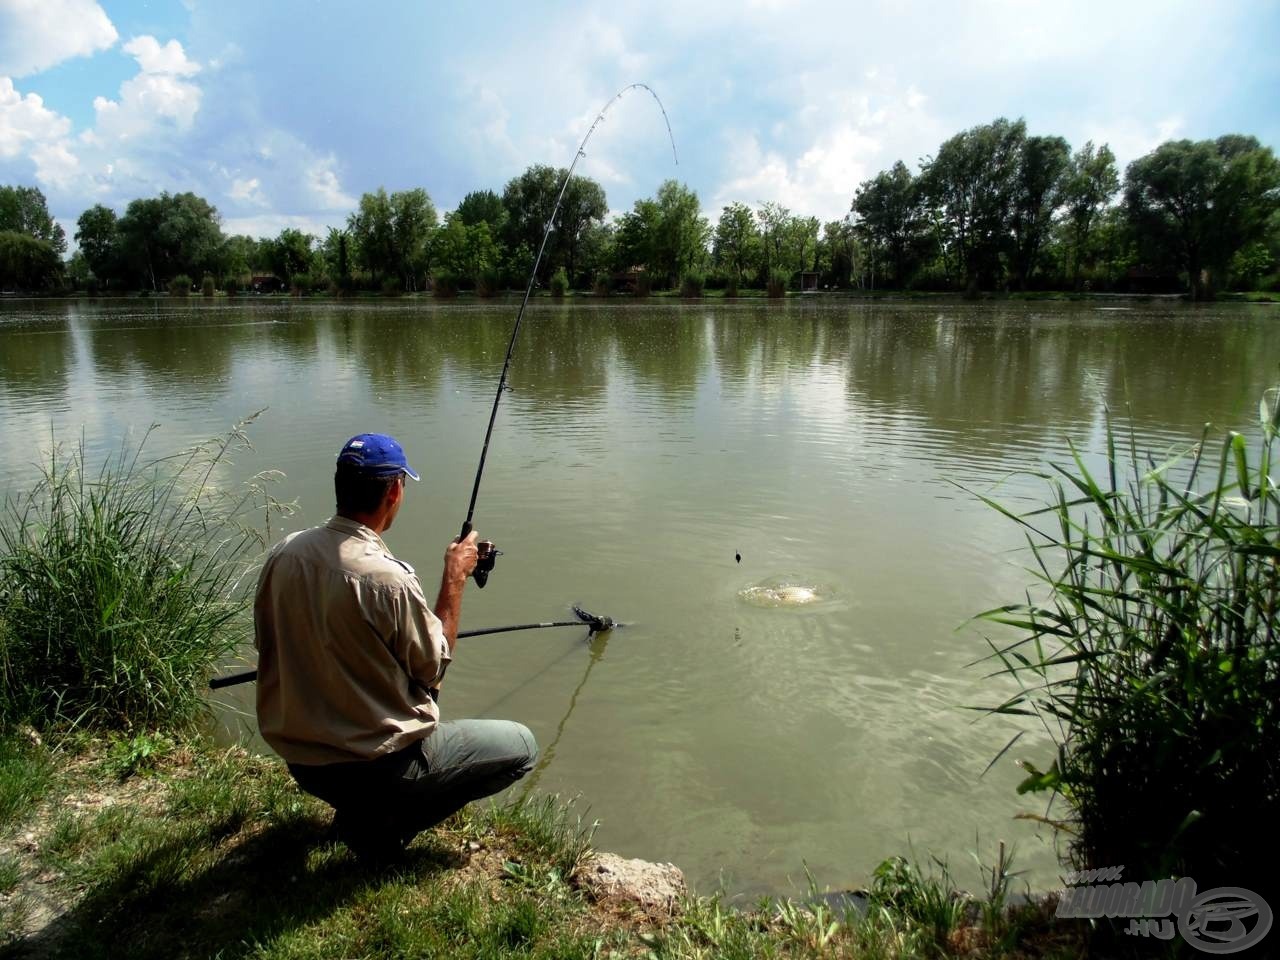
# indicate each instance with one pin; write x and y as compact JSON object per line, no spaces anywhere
{"x":993,"y":209}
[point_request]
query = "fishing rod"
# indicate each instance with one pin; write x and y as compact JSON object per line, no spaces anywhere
{"x":488,"y":552}
{"x":594,"y":623}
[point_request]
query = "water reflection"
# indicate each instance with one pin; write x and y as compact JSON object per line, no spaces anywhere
{"x":35,"y":359}
{"x":974,"y":376}
{"x":596,"y":644}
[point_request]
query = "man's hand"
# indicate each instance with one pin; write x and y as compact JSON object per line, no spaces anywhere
{"x":460,"y":559}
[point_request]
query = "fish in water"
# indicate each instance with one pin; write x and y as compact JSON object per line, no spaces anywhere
{"x":781,"y":594}
{"x":796,"y":594}
{"x":737,"y":557}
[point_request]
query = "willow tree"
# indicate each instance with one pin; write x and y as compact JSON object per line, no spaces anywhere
{"x":891,"y":216}
{"x":1091,"y":182}
{"x":972,"y":183}
{"x":1199,"y":202}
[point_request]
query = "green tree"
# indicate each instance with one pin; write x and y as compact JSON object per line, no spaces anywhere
{"x":24,"y":210}
{"x":413,"y":221}
{"x":1091,"y":182}
{"x":1043,"y":168}
{"x":77,"y":271}
{"x":335,"y":254}
{"x":28,"y":263}
{"x":1203,"y":201}
{"x":802,"y":245}
{"x":584,"y":206}
{"x":465,"y":252}
{"x":891,"y":217}
{"x":971,"y":183}
{"x":773,"y":218}
{"x":290,"y":254}
{"x":98,"y":235}
{"x":529,"y":200}
{"x":636,"y":237}
{"x":668,"y":232}
{"x":241,"y":255}
{"x":736,"y":244}
{"x":373,"y":235}
{"x":839,"y":240}
{"x":595,"y":253}
{"x":162,"y":237}
{"x":392,"y":234}
{"x":483,"y":206}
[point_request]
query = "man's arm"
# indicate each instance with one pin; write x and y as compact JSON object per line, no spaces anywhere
{"x":459,"y":561}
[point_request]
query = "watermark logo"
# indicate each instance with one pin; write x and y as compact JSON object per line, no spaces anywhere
{"x":1220,"y":921}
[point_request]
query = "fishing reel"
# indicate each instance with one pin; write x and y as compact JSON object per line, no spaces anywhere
{"x":489,"y":555}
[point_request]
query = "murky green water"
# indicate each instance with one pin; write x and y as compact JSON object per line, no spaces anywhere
{"x":641,"y":447}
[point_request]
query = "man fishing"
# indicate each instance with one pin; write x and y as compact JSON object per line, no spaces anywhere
{"x":350,"y":662}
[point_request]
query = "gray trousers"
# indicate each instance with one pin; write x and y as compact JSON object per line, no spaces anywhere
{"x":393,"y":798}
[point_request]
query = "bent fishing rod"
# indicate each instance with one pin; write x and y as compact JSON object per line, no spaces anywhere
{"x":593,"y":622}
{"x":488,"y":552}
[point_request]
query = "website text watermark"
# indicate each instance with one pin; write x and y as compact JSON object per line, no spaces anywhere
{"x":1221,"y":920}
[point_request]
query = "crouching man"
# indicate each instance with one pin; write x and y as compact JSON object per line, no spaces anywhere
{"x":350,"y":662}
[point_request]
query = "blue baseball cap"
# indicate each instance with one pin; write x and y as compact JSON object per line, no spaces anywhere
{"x":376,"y":454}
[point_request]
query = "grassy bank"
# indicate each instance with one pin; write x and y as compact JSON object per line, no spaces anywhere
{"x":186,"y":850}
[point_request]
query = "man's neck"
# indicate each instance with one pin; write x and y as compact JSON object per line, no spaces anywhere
{"x":377,"y":522}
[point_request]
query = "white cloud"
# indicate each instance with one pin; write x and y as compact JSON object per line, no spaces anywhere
{"x":247,"y":190}
{"x":25,"y":121}
{"x":56,"y":165}
{"x":158,"y":93}
{"x":844,"y":136}
{"x":1132,"y":138}
{"x":38,"y":34}
{"x":270,"y":224}
{"x":325,"y":189}
{"x":154,"y":58}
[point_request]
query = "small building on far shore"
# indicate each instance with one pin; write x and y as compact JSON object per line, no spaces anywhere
{"x":265,"y":283}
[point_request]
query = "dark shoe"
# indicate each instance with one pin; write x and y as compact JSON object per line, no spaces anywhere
{"x":371,"y":843}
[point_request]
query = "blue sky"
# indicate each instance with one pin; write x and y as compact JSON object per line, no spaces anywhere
{"x":282,"y":112}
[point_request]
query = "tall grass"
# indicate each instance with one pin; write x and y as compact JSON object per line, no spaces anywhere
{"x":120,"y":590}
{"x":1154,"y":662}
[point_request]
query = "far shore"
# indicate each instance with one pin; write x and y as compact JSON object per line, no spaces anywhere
{"x":620,"y":299}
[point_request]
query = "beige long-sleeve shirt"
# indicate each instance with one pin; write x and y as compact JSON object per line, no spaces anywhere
{"x":347,"y":647}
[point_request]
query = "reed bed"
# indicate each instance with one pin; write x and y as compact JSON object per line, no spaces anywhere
{"x":120,"y":590}
{"x":1154,"y":662}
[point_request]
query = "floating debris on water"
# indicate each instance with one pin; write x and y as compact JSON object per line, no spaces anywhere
{"x":782,"y":593}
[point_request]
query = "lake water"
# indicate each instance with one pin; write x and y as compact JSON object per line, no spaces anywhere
{"x":835,"y":446}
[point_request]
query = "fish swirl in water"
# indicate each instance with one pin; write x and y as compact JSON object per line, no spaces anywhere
{"x":781,"y":594}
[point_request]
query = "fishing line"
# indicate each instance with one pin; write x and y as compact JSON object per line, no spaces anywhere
{"x":488,"y":552}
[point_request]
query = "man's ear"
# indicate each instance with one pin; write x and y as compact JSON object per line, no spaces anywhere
{"x":395,"y":492}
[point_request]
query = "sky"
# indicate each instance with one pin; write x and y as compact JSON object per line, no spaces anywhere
{"x":282,"y":112}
